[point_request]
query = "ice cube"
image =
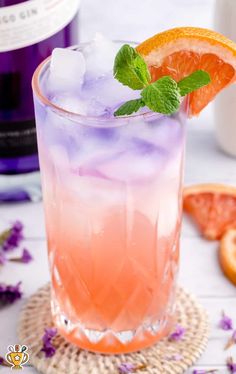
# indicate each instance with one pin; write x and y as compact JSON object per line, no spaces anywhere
{"x":67,"y":70}
{"x":165,"y":132}
{"x":132,"y":163}
{"x":92,"y":149}
{"x":78,"y":105}
{"x":99,"y":56}
{"x":96,"y":108}
{"x":71,"y":103}
{"x":108,"y":92}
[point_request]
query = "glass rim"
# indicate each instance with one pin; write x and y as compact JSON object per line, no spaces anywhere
{"x":37,"y":90}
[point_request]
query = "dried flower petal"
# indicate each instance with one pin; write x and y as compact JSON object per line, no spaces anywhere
{"x":25,"y":258}
{"x":3,"y":362}
{"x":49,"y":350}
{"x":204,"y":371}
{"x":226,"y":322}
{"x":49,"y":334}
{"x":231,"y":366}
{"x":9,"y":294}
{"x":126,"y":368}
{"x":231,"y":341}
{"x":48,"y":347}
{"x":10,"y":239}
{"x":178,"y":334}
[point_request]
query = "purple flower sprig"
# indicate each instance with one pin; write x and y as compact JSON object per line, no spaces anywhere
{"x":48,"y":347}
{"x":178,"y":334}
{"x":9,"y":294}
{"x":231,"y":365}
{"x":205,"y":371}
{"x":25,"y":258}
{"x":225,"y":322}
{"x":11,"y":238}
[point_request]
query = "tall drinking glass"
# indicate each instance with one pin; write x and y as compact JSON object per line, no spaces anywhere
{"x":113,"y":201}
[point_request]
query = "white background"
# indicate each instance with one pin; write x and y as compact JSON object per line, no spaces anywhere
{"x":200,"y":273}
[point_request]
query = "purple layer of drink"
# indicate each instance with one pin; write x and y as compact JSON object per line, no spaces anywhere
{"x":112,"y":195}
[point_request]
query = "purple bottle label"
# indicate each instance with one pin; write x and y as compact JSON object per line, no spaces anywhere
{"x":30,"y":22}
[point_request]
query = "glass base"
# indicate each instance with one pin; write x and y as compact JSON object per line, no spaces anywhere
{"x":112,"y":342}
{"x":20,"y":187}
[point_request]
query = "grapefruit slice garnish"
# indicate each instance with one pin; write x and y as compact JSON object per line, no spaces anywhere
{"x":227,"y":255}
{"x":181,"y":51}
{"x":212,"y":207}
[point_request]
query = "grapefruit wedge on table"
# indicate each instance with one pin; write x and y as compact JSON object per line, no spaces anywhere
{"x":227,"y":255}
{"x":181,"y":51}
{"x":212,"y":207}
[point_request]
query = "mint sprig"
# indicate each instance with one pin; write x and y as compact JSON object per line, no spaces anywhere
{"x":162,"y":96}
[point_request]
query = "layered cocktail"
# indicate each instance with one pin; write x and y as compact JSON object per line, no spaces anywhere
{"x":112,"y":196}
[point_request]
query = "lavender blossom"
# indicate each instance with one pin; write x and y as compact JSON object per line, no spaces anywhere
{"x":9,"y":294}
{"x":48,"y":348}
{"x":231,"y":366}
{"x":178,"y":334}
{"x":10,"y":239}
{"x":26,"y":256}
{"x":226,"y":322}
{"x":126,"y":368}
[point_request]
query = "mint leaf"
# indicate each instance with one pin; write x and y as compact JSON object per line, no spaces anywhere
{"x":198,"y":79}
{"x":141,"y":69}
{"x":162,"y":96}
{"x":129,"y":107}
{"x":130,"y":69}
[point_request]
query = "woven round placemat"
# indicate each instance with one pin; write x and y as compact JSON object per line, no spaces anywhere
{"x":165,"y":357}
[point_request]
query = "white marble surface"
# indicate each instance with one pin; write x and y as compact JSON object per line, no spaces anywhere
{"x":200,"y":272}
